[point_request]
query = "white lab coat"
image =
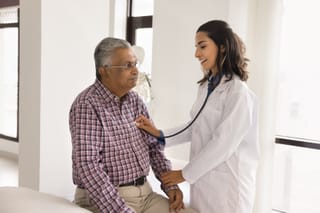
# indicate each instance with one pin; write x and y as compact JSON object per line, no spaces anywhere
{"x":224,"y":149}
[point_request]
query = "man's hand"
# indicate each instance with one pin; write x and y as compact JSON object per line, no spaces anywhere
{"x":175,"y":200}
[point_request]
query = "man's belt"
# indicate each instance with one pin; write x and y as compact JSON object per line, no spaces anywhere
{"x":137,"y":182}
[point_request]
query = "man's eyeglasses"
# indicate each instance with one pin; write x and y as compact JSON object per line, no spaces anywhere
{"x":127,"y":66}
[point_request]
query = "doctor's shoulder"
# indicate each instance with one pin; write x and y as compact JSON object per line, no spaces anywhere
{"x":243,"y":90}
{"x":239,"y":87}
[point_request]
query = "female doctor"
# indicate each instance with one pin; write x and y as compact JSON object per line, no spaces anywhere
{"x":224,"y":137}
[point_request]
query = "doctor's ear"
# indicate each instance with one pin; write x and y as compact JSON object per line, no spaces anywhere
{"x":222,"y":49}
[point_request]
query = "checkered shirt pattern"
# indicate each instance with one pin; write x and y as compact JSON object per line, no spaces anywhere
{"x":107,"y":147}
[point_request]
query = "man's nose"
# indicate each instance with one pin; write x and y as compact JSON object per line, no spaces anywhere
{"x":135,"y":70}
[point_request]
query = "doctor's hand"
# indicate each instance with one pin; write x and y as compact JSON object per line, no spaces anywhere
{"x":144,"y":123}
{"x":172,"y":178}
{"x":175,"y":200}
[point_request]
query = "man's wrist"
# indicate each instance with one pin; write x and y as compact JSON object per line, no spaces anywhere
{"x":166,"y":189}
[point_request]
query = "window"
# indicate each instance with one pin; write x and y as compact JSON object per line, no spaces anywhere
{"x":139,"y":32}
{"x":139,"y":29}
{"x":296,"y":185}
{"x":300,"y":71}
{"x":9,"y":40}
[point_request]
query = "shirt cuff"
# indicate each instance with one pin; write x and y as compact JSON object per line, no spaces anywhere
{"x":161,"y":139}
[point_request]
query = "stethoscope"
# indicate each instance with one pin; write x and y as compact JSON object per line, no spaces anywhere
{"x":213,"y":82}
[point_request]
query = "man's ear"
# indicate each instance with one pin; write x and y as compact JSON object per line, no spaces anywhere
{"x":103,"y":71}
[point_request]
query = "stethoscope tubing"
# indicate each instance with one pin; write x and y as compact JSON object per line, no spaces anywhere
{"x":194,"y":119}
{"x":211,"y":86}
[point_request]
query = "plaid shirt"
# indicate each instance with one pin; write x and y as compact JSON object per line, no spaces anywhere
{"x":107,"y":147}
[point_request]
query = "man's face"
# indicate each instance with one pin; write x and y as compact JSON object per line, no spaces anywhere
{"x":122,"y":73}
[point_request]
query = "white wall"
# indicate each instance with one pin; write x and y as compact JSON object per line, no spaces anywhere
{"x":262,"y":44}
{"x":29,"y":93}
{"x":57,"y":43}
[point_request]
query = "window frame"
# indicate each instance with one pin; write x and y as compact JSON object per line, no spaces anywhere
{"x":12,"y":25}
{"x":134,"y":23}
{"x":296,"y":142}
{"x":299,"y":142}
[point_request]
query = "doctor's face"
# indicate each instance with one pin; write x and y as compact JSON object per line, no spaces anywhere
{"x":206,"y":52}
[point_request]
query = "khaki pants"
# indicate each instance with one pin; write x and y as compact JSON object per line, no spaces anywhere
{"x":139,"y":198}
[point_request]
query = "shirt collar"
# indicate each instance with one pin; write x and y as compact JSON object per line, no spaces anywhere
{"x":106,"y":93}
{"x":224,"y":83}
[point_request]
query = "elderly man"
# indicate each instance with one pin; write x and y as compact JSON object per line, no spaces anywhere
{"x":111,"y":156}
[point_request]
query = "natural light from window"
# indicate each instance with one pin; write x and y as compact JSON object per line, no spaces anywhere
{"x":8,"y":81}
{"x":8,"y":73}
{"x":296,"y":186}
{"x":144,"y":40}
{"x":142,"y":7}
{"x":298,"y":100}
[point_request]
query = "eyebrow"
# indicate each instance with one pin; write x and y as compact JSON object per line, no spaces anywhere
{"x":128,"y":61}
{"x":132,"y":62}
{"x":200,"y":42}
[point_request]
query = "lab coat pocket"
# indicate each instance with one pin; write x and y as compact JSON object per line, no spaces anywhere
{"x":223,"y":193}
{"x":212,"y":116}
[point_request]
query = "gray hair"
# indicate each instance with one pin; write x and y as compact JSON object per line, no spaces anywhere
{"x":105,"y":50}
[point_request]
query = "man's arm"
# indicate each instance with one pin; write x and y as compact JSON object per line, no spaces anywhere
{"x":161,"y":164}
{"x":87,"y":143}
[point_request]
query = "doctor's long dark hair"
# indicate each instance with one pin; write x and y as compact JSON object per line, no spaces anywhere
{"x":231,"y":60}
